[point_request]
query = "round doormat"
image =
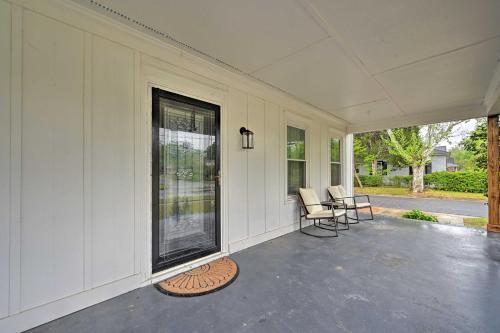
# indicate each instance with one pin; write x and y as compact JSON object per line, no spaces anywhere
{"x":201,"y":280}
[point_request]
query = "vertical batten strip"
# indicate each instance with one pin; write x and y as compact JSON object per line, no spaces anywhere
{"x":140,"y":159}
{"x":266,"y":176}
{"x":87,"y":160}
{"x":247,"y":217}
{"x":15,"y":167}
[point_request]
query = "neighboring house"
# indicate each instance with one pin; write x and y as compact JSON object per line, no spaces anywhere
{"x":450,"y":165}
{"x":439,"y":162}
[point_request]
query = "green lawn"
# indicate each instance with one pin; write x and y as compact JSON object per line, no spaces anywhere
{"x":427,"y":194}
{"x":475,"y":222}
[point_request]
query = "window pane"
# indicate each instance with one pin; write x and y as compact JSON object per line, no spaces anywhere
{"x":335,"y":176}
{"x":296,"y":176}
{"x":296,"y":143}
{"x":335,"y":150}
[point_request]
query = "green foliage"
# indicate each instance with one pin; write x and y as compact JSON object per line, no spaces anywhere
{"x":406,"y":146}
{"x":475,"y":143}
{"x":415,"y":146}
{"x":197,"y":164}
{"x":369,"y":147}
{"x":417,"y":214}
{"x":372,"y":181}
{"x":296,"y":143}
{"x":464,"y":159}
{"x":359,"y":148}
{"x":473,"y":182}
{"x":401,"y":181}
{"x":335,"y":150}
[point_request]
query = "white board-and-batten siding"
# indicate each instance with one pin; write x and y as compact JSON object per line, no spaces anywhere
{"x":75,"y":156}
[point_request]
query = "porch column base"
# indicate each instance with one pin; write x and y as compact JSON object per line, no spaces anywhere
{"x":493,"y":228}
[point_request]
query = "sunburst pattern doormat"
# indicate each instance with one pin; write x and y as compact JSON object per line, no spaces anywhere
{"x":201,"y":280}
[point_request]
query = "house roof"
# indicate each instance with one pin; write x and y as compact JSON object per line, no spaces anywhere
{"x":374,"y":64}
{"x":440,"y":151}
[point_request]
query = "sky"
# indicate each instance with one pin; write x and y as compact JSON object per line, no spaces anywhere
{"x":460,"y":132}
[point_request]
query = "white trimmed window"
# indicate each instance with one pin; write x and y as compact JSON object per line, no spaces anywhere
{"x":335,"y":162}
{"x":296,"y":159}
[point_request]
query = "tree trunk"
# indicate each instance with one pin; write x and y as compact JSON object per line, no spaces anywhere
{"x":374,"y":167}
{"x":357,"y":178}
{"x":418,"y":178}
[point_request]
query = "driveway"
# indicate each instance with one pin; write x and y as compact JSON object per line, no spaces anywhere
{"x":457,"y":207}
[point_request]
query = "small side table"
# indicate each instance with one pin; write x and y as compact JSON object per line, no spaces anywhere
{"x":328,"y":204}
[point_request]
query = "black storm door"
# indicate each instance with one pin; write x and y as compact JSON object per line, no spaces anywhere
{"x":186,"y":171}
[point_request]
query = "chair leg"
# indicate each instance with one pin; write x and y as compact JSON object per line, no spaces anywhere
{"x":327,"y":227}
{"x":355,"y":219}
{"x":329,"y":234}
{"x":367,"y":219}
{"x":345,"y":223}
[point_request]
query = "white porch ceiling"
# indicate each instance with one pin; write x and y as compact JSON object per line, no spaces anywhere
{"x":360,"y":60}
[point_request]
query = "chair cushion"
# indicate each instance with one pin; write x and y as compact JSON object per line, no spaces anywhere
{"x":338,"y":192}
{"x":311,"y":200}
{"x":327,"y":213}
{"x":334,"y":192}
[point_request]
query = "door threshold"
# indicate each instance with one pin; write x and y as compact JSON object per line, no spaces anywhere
{"x":169,"y":272}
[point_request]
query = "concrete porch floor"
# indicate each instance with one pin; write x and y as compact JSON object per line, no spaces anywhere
{"x":389,"y":275}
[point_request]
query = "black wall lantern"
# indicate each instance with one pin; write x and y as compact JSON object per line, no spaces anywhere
{"x":246,"y":138}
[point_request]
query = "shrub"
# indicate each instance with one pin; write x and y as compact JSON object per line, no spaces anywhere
{"x":473,"y":182}
{"x":401,"y":181}
{"x":371,"y":181}
{"x":417,"y":214}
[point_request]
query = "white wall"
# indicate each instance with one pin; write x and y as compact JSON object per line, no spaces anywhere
{"x":74,"y":156}
{"x":438,"y":163}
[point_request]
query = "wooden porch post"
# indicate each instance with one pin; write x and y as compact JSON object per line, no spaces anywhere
{"x":493,"y":186}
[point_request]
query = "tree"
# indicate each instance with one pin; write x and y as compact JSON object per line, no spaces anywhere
{"x":359,"y":153}
{"x":464,"y":159}
{"x":368,"y":148}
{"x":475,"y":143}
{"x":415,"y":147}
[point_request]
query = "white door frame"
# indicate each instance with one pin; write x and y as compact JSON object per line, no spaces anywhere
{"x":157,"y":74}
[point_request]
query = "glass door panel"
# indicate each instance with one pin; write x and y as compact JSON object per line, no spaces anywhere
{"x":185,"y":179}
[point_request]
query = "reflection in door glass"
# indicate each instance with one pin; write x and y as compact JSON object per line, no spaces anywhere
{"x":187,"y":175}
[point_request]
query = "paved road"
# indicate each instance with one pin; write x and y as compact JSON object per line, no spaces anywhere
{"x":458,"y":207}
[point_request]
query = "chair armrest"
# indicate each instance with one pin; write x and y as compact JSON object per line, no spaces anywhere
{"x":343,"y":198}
